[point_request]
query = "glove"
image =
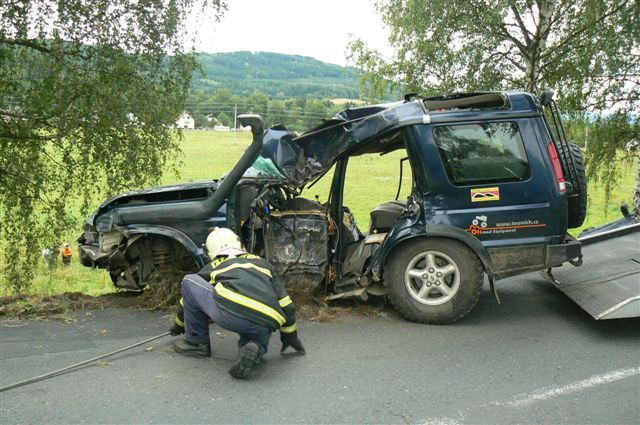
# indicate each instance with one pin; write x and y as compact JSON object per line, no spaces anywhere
{"x":291,"y":340}
{"x":176,"y":329}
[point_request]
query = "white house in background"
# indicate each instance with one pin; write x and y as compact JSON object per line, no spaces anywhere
{"x":185,"y":121}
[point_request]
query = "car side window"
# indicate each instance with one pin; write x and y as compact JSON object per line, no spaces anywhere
{"x":482,"y":153}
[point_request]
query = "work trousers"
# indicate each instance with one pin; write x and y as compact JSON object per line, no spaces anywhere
{"x":200,"y":306}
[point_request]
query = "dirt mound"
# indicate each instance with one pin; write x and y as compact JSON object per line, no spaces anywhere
{"x":308,"y":300}
{"x":310,"y":305}
{"x":21,"y":306}
{"x":159,"y":297}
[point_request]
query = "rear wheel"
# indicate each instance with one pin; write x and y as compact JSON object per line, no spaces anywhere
{"x":433,"y":280}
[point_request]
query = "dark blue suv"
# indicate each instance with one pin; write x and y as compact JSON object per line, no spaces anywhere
{"x":495,"y":186}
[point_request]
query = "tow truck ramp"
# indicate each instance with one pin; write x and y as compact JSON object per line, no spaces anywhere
{"x":607,"y":285}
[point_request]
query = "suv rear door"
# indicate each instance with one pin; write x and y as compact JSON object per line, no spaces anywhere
{"x":491,"y":179}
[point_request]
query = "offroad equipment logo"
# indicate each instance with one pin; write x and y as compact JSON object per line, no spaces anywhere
{"x":483,"y":194}
{"x":479,"y":226}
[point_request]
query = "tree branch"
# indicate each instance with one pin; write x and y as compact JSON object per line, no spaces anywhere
{"x":26,"y":43}
{"x":505,"y":55}
{"x":18,"y":189}
{"x":521,"y":47}
{"x":560,"y":49}
{"x":25,"y":137}
{"x":521,"y":25}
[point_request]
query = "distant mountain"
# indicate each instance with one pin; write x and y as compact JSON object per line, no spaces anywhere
{"x":277,"y":75}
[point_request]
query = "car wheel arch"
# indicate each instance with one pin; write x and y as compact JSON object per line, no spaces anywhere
{"x":135,"y":234}
{"x":441,"y":231}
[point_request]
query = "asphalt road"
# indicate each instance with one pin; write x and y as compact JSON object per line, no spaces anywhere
{"x":537,"y":358}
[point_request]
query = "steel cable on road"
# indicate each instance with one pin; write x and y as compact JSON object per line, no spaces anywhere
{"x":73,"y":366}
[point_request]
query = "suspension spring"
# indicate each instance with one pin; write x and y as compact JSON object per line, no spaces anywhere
{"x":161,"y":256}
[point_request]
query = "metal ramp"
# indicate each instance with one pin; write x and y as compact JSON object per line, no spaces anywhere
{"x":607,"y":285}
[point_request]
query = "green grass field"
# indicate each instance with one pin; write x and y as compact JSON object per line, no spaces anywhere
{"x":370,"y":181}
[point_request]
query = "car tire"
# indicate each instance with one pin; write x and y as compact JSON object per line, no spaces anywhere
{"x":576,"y":202}
{"x":416,"y":290}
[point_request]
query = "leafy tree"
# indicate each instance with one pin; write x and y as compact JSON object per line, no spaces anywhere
{"x":224,"y":96}
{"x":606,"y":141}
{"x":585,"y":49}
{"x":88,"y":90}
{"x":278,"y":114}
{"x":199,"y":119}
{"x":258,"y":104}
{"x":225,"y":119}
{"x":588,"y":51}
{"x":314,"y":112}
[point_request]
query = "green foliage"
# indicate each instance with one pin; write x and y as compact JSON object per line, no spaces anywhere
{"x":276,"y":75}
{"x":225,"y":119}
{"x":296,"y":114}
{"x":88,"y":91}
{"x":606,"y":141}
{"x":199,"y":120}
{"x":314,"y":112}
{"x":587,"y":50}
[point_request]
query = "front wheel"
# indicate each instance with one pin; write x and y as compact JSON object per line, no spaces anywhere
{"x":433,"y":280}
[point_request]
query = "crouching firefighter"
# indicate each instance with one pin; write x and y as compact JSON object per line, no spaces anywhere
{"x":240,"y":293}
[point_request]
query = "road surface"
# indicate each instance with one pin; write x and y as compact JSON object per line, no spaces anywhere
{"x":535,"y":358}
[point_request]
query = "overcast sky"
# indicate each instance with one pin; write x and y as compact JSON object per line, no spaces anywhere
{"x":320,"y":29}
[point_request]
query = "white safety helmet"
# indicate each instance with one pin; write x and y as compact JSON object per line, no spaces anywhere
{"x":223,"y":241}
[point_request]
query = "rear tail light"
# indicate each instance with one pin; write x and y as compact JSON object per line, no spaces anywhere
{"x":557,"y":168}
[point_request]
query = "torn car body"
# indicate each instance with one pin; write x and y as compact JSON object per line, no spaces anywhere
{"x":485,"y":200}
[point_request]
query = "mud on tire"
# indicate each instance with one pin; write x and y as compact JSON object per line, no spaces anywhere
{"x":433,"y":280}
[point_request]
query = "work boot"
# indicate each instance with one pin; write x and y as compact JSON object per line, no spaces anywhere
{"x":248,"y":357}
{"x":191,"y":349}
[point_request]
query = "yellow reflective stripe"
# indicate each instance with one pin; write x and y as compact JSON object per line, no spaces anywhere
{"x":179,"y":322}
{"x":262,"y":270}
{"x":285,"y":301}
{"x":250,"y":303}
{"x":182,"y":302}
{"x":217,"y":261}
{"x":289,"y":329}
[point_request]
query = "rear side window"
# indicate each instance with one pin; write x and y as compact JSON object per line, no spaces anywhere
{"x":482,"y":153}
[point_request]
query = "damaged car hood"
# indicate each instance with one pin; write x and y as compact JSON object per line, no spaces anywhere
{"x":301,"y":159}
{"x":143,"y":194}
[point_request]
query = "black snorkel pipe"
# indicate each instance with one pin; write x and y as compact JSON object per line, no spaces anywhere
{"x":249,"y":156}
{"x":197,"y":209}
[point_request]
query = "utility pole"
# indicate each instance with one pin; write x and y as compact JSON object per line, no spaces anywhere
{"x":235,"y":122}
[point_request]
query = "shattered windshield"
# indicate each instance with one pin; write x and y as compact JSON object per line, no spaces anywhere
{"x":301,"y":159}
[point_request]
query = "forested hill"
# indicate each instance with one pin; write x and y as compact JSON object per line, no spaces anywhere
{"x":277,"y":75}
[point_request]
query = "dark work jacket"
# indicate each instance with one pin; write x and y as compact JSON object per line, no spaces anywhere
{"x":248,"y":287}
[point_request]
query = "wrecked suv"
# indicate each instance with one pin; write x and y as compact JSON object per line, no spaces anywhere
{"x":495,"y":186}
